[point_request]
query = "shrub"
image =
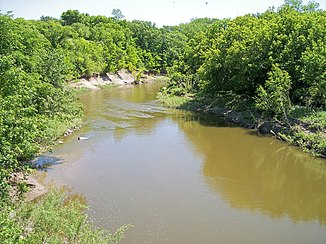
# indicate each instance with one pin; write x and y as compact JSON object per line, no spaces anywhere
{"x":274,"y":98}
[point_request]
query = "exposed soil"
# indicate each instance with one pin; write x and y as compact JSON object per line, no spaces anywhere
{"x":35,"y":189}
{"x":122,"y":77}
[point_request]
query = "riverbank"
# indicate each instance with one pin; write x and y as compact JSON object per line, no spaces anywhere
{"x":57,"y":217}
{"x":120,"y":78}
{"x":201,"y":157}
{"x":34,"y":188}
{"x":27,"y":193}
{"x":305,"y":127}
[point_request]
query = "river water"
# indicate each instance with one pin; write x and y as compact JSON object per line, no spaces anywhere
{"x":178,"y":177}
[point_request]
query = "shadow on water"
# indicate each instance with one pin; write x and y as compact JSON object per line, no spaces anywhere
{"x":204,"y":119}
{"x":183,"y":177}
{"x":44,"y":162}
{"x":259,"y":173}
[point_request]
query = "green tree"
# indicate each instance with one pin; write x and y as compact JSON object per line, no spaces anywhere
{"x":117,"y":14}
{"x":274,"y":99}
{"x":72,"y":16}
{"x":47,"y":18}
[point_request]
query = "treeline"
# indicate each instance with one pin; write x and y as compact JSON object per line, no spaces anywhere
{"x":38,"y":57}
{"x":277,"y":58}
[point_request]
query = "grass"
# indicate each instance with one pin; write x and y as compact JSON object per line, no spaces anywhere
{"x":55,"y":218}
{"x":308,"y":130}
{"x":316,"y":118}
{"x":173,"y":101}
{"x":311,"y":135}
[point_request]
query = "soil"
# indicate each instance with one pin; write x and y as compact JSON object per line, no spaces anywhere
{"x":122,"y":77}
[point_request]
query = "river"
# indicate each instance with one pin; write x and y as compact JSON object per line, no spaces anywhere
{"x":179,"y":177}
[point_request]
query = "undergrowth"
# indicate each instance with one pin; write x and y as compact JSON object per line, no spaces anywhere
{"x":55,"y":218}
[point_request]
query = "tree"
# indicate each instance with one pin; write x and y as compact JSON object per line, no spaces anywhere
{"x":300,"y":7}
{"x":274,"y":99}
{"x":8,"y":13}
{"x":47,"y":18}
{"x":72,"y":16}
{"x":117,"y":14}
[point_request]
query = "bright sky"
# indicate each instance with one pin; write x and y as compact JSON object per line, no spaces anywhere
{"x":163,"y":12}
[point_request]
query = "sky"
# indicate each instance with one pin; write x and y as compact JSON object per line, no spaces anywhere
{"x":162,"y":12}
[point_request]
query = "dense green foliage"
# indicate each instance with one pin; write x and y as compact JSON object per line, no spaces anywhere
{"x":276,"y":60}
{"x":275,"y":98}
{"x":37,"y":57}
{"x":34,"y":106}
{"x":238,"y":55}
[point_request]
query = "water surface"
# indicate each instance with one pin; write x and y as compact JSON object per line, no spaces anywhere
{"x":182,"y":178}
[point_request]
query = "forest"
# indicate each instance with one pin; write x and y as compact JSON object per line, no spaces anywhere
{"x":275,"y":60}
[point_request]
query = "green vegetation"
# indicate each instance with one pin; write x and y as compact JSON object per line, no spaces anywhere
{"x":37,"y":58}
{"x":56,"y":218}
{"x":35,"y":108}
{"x":274,"y":61}
{"x":267,"y":66}
{"x":275,"y":99}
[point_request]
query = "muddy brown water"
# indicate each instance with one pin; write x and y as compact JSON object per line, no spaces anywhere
{"x":178,"y":177}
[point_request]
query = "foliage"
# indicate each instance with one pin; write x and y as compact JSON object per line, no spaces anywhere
{"x":274,"y":98}
{"x":314,"y":142}
{"x":56,"y":218}
{"x":33,"y":100}
{"x":117,"y":13}
{"x":172,"y":100}
{"x":315,"y":119}
{"x":72,"y":16}
{"x":238,"y":55}
{"x":277,"y":57}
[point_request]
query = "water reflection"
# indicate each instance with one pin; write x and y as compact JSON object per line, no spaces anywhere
{"x":121,"y":109}
{"x":183,"y":178}
{"x":260,"y":173}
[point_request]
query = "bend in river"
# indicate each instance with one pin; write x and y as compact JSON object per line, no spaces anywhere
{"x":179,"y":177}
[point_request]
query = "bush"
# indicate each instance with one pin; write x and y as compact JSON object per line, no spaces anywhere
{"x":274,"y":98}
{"x":56,"y":218}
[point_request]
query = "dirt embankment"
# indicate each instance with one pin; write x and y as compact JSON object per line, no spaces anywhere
{"x":122,"y":77}
{"x":35,"y":188}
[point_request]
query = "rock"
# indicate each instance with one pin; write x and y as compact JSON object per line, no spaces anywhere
{"x":122,"y":77}
{"x":35,"y":189}
{"x":265,"y":127}
{"x":126,"y":76}
{"x":68,"y":132}
{"x":80,"y":138}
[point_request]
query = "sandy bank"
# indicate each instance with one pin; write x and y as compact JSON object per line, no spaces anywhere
{"x":122,"y":77}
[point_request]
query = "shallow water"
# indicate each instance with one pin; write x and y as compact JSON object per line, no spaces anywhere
{"x":183,"y":178}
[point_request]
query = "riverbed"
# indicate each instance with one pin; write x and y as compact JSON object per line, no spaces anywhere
{"x":181,"y":177}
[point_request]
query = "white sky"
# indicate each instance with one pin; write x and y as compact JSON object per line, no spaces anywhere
{"x":163,"y":12}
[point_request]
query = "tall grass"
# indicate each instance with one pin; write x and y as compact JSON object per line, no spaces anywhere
{"x":55,"y":218}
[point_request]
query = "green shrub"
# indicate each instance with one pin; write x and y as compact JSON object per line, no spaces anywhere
{"x":56,"y":218}
{"x":274,"y":98}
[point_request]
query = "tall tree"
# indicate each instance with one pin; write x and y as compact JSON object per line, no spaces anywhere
{"x":117,"y":13}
